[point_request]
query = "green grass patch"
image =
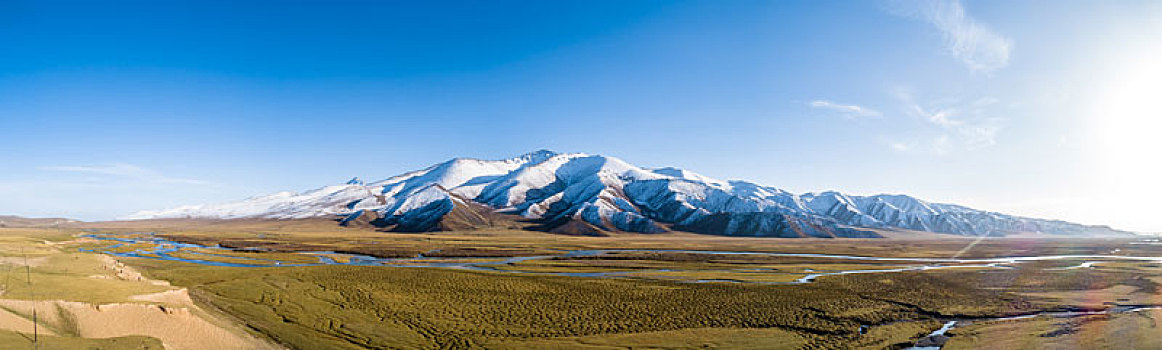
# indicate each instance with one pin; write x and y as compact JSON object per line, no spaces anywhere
{"x":15,"y":340}
{"x":71,"y":276}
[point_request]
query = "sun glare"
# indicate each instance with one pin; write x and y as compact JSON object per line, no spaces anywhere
{"x":1126,"y":126}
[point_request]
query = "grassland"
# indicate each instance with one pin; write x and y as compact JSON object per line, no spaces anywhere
{"x":651,"y":302}
{"x":376,"y":307}
{"x":1136,"y":330}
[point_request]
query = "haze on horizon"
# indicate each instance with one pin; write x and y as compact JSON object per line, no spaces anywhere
{"x":1028,"y":108}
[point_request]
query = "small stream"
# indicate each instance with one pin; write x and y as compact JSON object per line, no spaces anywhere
{"x":936,"y":339}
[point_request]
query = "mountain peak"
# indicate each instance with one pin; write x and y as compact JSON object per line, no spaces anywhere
{"x":606,"y":193}
{"x":539,"y":154}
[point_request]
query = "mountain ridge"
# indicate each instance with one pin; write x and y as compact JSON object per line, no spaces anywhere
{"x":578,"y":193}
{"x":14,"y":221}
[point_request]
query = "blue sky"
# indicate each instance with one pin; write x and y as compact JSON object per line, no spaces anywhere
{"x":1035,"y":108}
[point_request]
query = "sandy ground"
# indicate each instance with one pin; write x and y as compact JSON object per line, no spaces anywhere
{"x":172,"y":297}
{"x":123,"y":272}
{"x":178,"y":327}
{"x":14,"y":322}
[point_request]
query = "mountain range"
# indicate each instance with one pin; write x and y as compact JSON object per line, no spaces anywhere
{"x":575,"y":193}
{"x":23,"y":222}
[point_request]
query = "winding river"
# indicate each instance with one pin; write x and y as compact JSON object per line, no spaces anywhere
{"x":162,"y":249}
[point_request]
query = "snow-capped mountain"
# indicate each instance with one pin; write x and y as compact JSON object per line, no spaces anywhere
{"x":580,"y":193}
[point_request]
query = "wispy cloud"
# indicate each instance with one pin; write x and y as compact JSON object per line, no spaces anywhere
{"x":959,"y":125}
{"x":901,"y":146}
{"x":846,"y":110}
{"x":128,"y":171}
{"x":972,"y":42}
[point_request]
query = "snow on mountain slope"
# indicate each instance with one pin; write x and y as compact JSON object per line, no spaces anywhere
{"x":329,"y":200}
{"x":582,"y":193}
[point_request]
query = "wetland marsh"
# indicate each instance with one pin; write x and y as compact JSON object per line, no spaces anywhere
{"x":308,"y":289}
{"x":503,"y":289}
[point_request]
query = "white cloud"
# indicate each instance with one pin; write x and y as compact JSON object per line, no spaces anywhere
{"x":129,"y":171}
{"x":972,"y":42}
{"x":848,"y":111}
{"x":901,"y":146}
{"x":957,"y":125}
